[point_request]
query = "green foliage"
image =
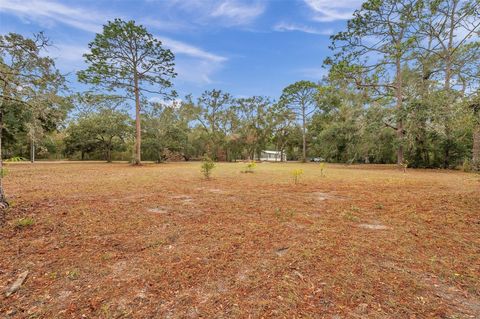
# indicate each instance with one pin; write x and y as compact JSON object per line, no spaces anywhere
{"x":125,"y":50}
{"x":166,"y":132}
{"x":207,"y":166}
{"x":301,"y":99}
{"x":25,"y":222}
{"x":3,"y":172}
{"x":467,"y":165}
{"x":250,"y":167}
{"x":384,"y":93}
{"x":32,"y":100}
{"x":125,"y":57}
{"x":104,"y":131}
{"x":322,"y":167}
{"x":73,"y":274}
{"x":15,"y":159}
{"x":297,"y":173}
{"x":349,"y":215}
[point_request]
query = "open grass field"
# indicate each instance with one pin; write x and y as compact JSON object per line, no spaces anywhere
{"x":158,"y":241}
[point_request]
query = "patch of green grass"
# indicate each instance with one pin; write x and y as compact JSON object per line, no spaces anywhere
{"x":25,"y":222}
{"x":73,"y":274}
{"x":350,"y":216}
{"x":355,"y":209}
{"x":52,"y":275}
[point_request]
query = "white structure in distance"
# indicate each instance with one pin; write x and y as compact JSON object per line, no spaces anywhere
{"x":272,"y":156}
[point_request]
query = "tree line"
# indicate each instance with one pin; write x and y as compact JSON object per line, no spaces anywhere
{"x":402,"y":87}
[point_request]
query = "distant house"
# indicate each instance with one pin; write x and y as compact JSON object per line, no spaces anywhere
{"x":272,"y":156}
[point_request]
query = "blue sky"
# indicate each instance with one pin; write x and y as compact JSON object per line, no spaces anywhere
{"x":245,"y":47}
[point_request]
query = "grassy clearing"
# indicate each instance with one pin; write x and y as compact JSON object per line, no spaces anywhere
{"x":112,"y":240}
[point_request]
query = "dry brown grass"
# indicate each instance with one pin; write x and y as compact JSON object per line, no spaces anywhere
{"x":158,"y":241}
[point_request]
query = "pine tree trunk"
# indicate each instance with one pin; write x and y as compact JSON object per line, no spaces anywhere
{"x":138,"y":132}
{"x":399,"y":106}
{"x":109,"y":155}
{"x":476,"y":146}
{"x":32,"y":151}
{"x":3,"y":200}
{"x":304,"y":137}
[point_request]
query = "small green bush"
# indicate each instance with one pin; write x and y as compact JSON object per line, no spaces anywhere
{"x":3,"y":172}
{"x":15,"y":159}
{"x":25,"y":222}
{"x":207,"y":166}
{"x":322,"y":169}
{"x":250,"y":167}
{"x":296,"y":173}
{"x":404,"y":165}
{"x":73,"y":274}
{"x":467,"y":165}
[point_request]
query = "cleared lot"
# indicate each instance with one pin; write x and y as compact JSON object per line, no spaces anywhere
{"x":114,"y":241}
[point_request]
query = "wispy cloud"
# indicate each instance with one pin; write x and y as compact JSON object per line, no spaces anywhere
{"x":286,"y":27}
{"x":238,"y":13}
{"x":50,"y":12}
{"x":197,"y":71}
{"x":179,"y":47}
{"x":220,"y":12}
{"x":328,"y":10}
{"x":196,"y":65}
{"x":163,"y":24}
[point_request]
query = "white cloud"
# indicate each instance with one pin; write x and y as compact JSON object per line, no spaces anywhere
{"x":68,"y":52}
{"x":196,"y":71}
{"x":49,"y":12}
{"x":160,"y":100}
{"x":179,"y":47}
{"x":328,"y":10}
{"x":221,"y":12}
{"x":237,"y":13}
{"x":68,"y":56}
{"x":285,"y":27}
{"x":192,"y":63}
{"x":163,"y":24}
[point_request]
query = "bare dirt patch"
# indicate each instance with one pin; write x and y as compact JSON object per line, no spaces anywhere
{"x":374,"y":226}
{"x":158,"y":210}
{"x":322,"y":196}
{"x":185,"y":199}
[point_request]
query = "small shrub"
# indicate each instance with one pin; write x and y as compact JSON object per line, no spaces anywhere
{"x":296,"y":173}
{"x":207,"y":166}
{"x":25,"y":222}
{"x":467,"y":165}
{"x":350,"y":216}
{"x":404,"y":165}
{"x":73,"y":274}
{"x":53,"y":275}
{"x":250,"y":167}
{"x":3,"y":172}
{"x":322,"y":169}
{"x":15,"y":159}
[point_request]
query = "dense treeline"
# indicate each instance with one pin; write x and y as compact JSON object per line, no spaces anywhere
{"x":403,"y":87}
